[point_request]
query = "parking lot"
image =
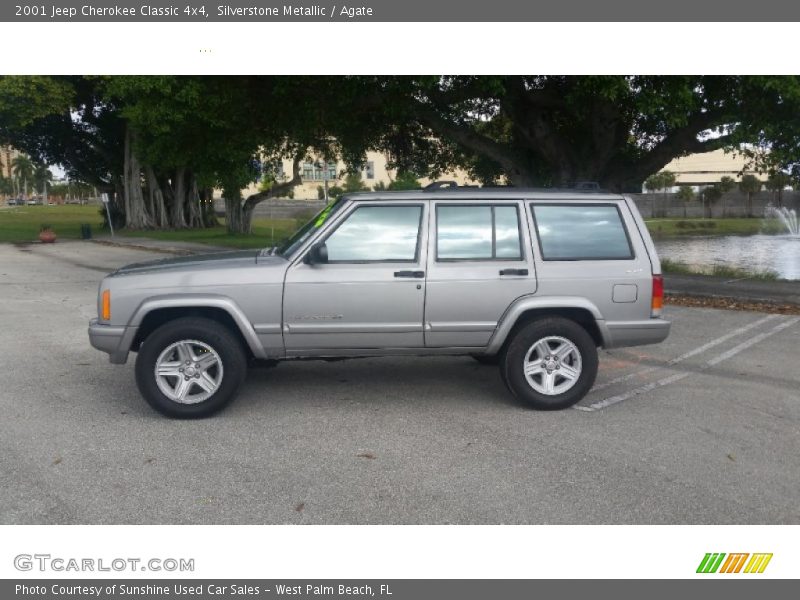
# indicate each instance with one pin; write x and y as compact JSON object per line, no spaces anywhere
{"x":700,"y":429}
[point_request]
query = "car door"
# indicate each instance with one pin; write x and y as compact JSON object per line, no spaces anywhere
{"x":370,"y":292}
{"x":479,"y":262}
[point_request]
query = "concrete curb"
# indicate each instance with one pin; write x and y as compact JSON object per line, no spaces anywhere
{"x":163,"y":246}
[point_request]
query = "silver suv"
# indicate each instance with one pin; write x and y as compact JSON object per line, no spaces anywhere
{"x":532,"y":280}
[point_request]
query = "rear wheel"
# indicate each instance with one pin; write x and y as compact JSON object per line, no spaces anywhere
{"x":190,"y":368}
{"x":550,"y":363}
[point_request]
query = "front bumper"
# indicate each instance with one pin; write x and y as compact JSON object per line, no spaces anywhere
{"x":636,"y":333}
{"x":114,"y":341}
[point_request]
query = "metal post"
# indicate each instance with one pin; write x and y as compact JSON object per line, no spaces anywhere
{"x":325,"y":180}
{"x":104,"y":198}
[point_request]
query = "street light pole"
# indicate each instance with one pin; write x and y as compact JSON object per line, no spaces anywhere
{"x":324,"y":167}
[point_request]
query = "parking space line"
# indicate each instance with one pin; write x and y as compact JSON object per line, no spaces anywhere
{"x":610,"y":401}
{"x":691,"y":353}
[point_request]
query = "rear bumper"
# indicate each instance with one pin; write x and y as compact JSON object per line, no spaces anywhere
{"x":114,"y":341}
{"x":635,"y":333}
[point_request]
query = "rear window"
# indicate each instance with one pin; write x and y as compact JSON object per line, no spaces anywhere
{"x":581,"y":232}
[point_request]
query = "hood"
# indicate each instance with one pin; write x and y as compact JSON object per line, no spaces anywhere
{"x":236,"y":258}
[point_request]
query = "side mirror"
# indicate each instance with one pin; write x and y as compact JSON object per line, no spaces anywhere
{"x":318,"y":254}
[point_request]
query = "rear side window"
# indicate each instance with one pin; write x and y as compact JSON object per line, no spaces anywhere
{"x":477,"y":232}
{"x":581,"y":232}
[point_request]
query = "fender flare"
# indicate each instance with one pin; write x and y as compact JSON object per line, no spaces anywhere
{"x":196,"y":301}
{"x":526,"y":303}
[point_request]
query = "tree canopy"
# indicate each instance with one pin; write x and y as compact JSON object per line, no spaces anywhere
{"x":546,"y":130}
{"x":159,"y":144}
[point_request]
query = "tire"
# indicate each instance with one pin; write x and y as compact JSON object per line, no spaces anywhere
{"x":550,"y":363}
{"x":216,"y":368}
{"x":487,"y":359}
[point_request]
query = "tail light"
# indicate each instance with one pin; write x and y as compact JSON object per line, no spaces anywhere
{"x":658,"y":296}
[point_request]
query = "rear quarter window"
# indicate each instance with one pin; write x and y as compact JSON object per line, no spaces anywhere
{"x":581,"y":232}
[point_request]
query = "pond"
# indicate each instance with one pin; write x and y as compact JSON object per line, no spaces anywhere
{"x":757,"y":253}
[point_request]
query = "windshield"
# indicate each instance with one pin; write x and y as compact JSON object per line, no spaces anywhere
{"x":301,"y":235}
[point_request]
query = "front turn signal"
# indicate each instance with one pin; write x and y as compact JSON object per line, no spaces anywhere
{"x":105,"y":305}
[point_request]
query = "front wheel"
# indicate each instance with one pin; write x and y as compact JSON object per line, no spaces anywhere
{"x":550,"y":363}
{"x":190,"y":368}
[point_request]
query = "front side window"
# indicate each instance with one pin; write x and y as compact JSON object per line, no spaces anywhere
{"x":301,"y":235}
{"x":581,"y":232}
{"x":377,"y":234}
{"x":477,"y":232}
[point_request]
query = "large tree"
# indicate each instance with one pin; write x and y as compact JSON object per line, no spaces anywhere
{"x":550,"y":130}
{"x":66,"y":121}
{"x":190,"y":134}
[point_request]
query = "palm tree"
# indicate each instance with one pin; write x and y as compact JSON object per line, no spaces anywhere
{"x":663,"y":180}
{"x":6,"y":186}
{"x":23,"y":169}
{"x":749,"y":184}
{"x":41,"y":177}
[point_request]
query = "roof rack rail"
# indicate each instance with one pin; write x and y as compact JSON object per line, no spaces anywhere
{"x":586,"y":186}
{"x":574,"y":186}
{"x":439,"y":185}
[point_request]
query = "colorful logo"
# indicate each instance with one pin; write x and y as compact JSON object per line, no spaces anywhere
{"x":733,"y":563}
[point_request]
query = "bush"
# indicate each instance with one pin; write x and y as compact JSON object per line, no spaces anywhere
{"x":405,"y":181}
{"x":117,"y":216}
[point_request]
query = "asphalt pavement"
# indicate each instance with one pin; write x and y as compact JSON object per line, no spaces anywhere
{"x":700,"y":429}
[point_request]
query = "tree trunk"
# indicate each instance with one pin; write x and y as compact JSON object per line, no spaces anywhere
{"x":193,"y":203}
{"x":160,"y":217}
{"x":179,"y":199}
{"x":239,"y":216}
{"x":233,"y":211}
{"x":207,"y":208}
{"x":136,"y":216}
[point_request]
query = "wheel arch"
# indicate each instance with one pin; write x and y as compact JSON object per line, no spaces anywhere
{"x":155,"y":312}
{"x":525,"y":310}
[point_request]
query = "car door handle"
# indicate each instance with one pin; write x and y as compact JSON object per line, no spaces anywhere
{"x":513,"y":271}
{"x":414,"y":274}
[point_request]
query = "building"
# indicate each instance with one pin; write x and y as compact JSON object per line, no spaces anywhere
{"x":315,"y":172}
{"x":7,"y":156}
{"x":708,"y":168}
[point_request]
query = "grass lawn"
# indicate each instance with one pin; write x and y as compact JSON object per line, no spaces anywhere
{"x":266,"y":232}
{"x":21,"y":223}
{"x":679,"y":268}
{"x":672,"y":228}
